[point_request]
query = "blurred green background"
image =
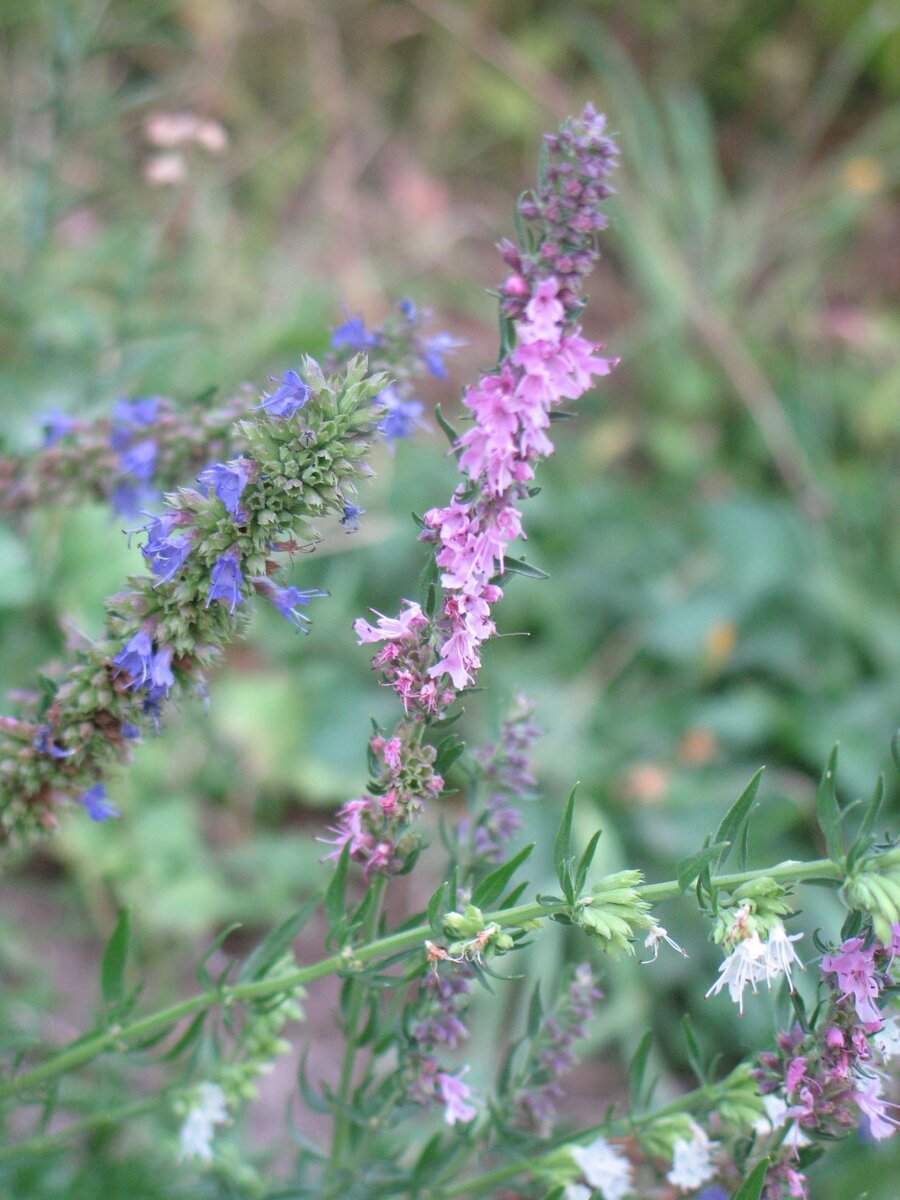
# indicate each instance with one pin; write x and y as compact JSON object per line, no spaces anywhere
{"x":719,"y":524}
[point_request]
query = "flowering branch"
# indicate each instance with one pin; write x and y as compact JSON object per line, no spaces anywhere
{"x":353,"y":959}
{"x":207,"y":552}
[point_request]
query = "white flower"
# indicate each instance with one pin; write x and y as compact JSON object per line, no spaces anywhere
{"x":208,"y":1111}
{"x":776,"y":1108}
{"x":742,"y":966}
{"x":604,"y":1168}
{"x":887,"y":1039}
{"x":752,"y":960}
{"x":656,"y":935}
{"x":577,"y":1191}
{"x":780,"y":954}
{"x":690,"y":1160}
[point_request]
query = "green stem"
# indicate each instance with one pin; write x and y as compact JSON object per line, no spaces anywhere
{"x":120,"y":1037}
{"x":354,"y":1013}
{"x":111,"y":1117}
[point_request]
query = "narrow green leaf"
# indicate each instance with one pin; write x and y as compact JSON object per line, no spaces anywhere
{"x":694,"y":1053}
{"x":518,"y":566}
{"x":276,"y":944}
{"x":734,"y":819}
{"x":584,"y":864}
{"x":562,"y":849}
{"x":691,"y":868}
{"x":535,"y":1012}
{"x":112,"y":968}
{"x":638,"y":1067}
{"x":895,"y":750}
{"x":751,"y":1188}
{"x":435,"y":910}
{"x":189,"y":1036}
{"x":449,"y":750}
{"x":428,"y":587}
{"x":431,"y":1155}
{"x":333,"y":902}
{"x":828,"y":811}
{"x":872,"y":810}
{"x":451,"y":434}
{"x":311,"y":1098}
{"x":492,"y":886}
{"x":203,"y":976}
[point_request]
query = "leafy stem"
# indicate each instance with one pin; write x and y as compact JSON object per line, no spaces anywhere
{"x":121,"y":1037}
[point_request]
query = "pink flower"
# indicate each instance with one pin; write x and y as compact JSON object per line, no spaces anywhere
{"x":392,"y":753}
{"x":389,"y":628}
{"x":874,"y":1106}
{"x":544,"y":312}
{"x":855,"y":970}
{"x":455,"y":1095}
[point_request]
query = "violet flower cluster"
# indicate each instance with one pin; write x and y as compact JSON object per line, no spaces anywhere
{"x":305,"y":451}
{"x":552,"y":1053}
{"x":439,"y":1026}
{"x":506,"y":769}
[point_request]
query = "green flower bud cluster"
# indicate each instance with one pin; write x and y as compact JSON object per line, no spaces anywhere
{"x":754,"y":907}
{"x":658,"y":1138}
{"x":738,"y":1102}
{"x":473,"y":936}
{"x":260,"y":1041}
{"x":874,"y":888}
{"x":614,"y":912}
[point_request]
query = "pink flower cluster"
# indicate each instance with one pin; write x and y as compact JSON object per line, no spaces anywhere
{"x":511,"y":412}
{"x":363,"y":826}
{"x":406,"y":658}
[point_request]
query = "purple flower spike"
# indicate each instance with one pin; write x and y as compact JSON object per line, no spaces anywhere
{"x":56,"y":425}
{"x":228,"y":480}
{"x":287,"y":601}
{"x":354,"y":335}
{"x":226,"y":581}
{"x":139,"y":460}
{"x":350,"y":519}
{"x":403,"y":416}
{"x":96,"y":804}
{"x":288,"y":398}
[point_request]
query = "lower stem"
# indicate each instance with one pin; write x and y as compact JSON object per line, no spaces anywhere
{"x":354,"y":1012}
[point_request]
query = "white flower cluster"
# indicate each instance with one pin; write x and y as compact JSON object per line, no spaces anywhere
{"x":691,"y":1165}
{"x":753,"y":960}
{"x":606,"y":1170}
{"x":199,"y":1127}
